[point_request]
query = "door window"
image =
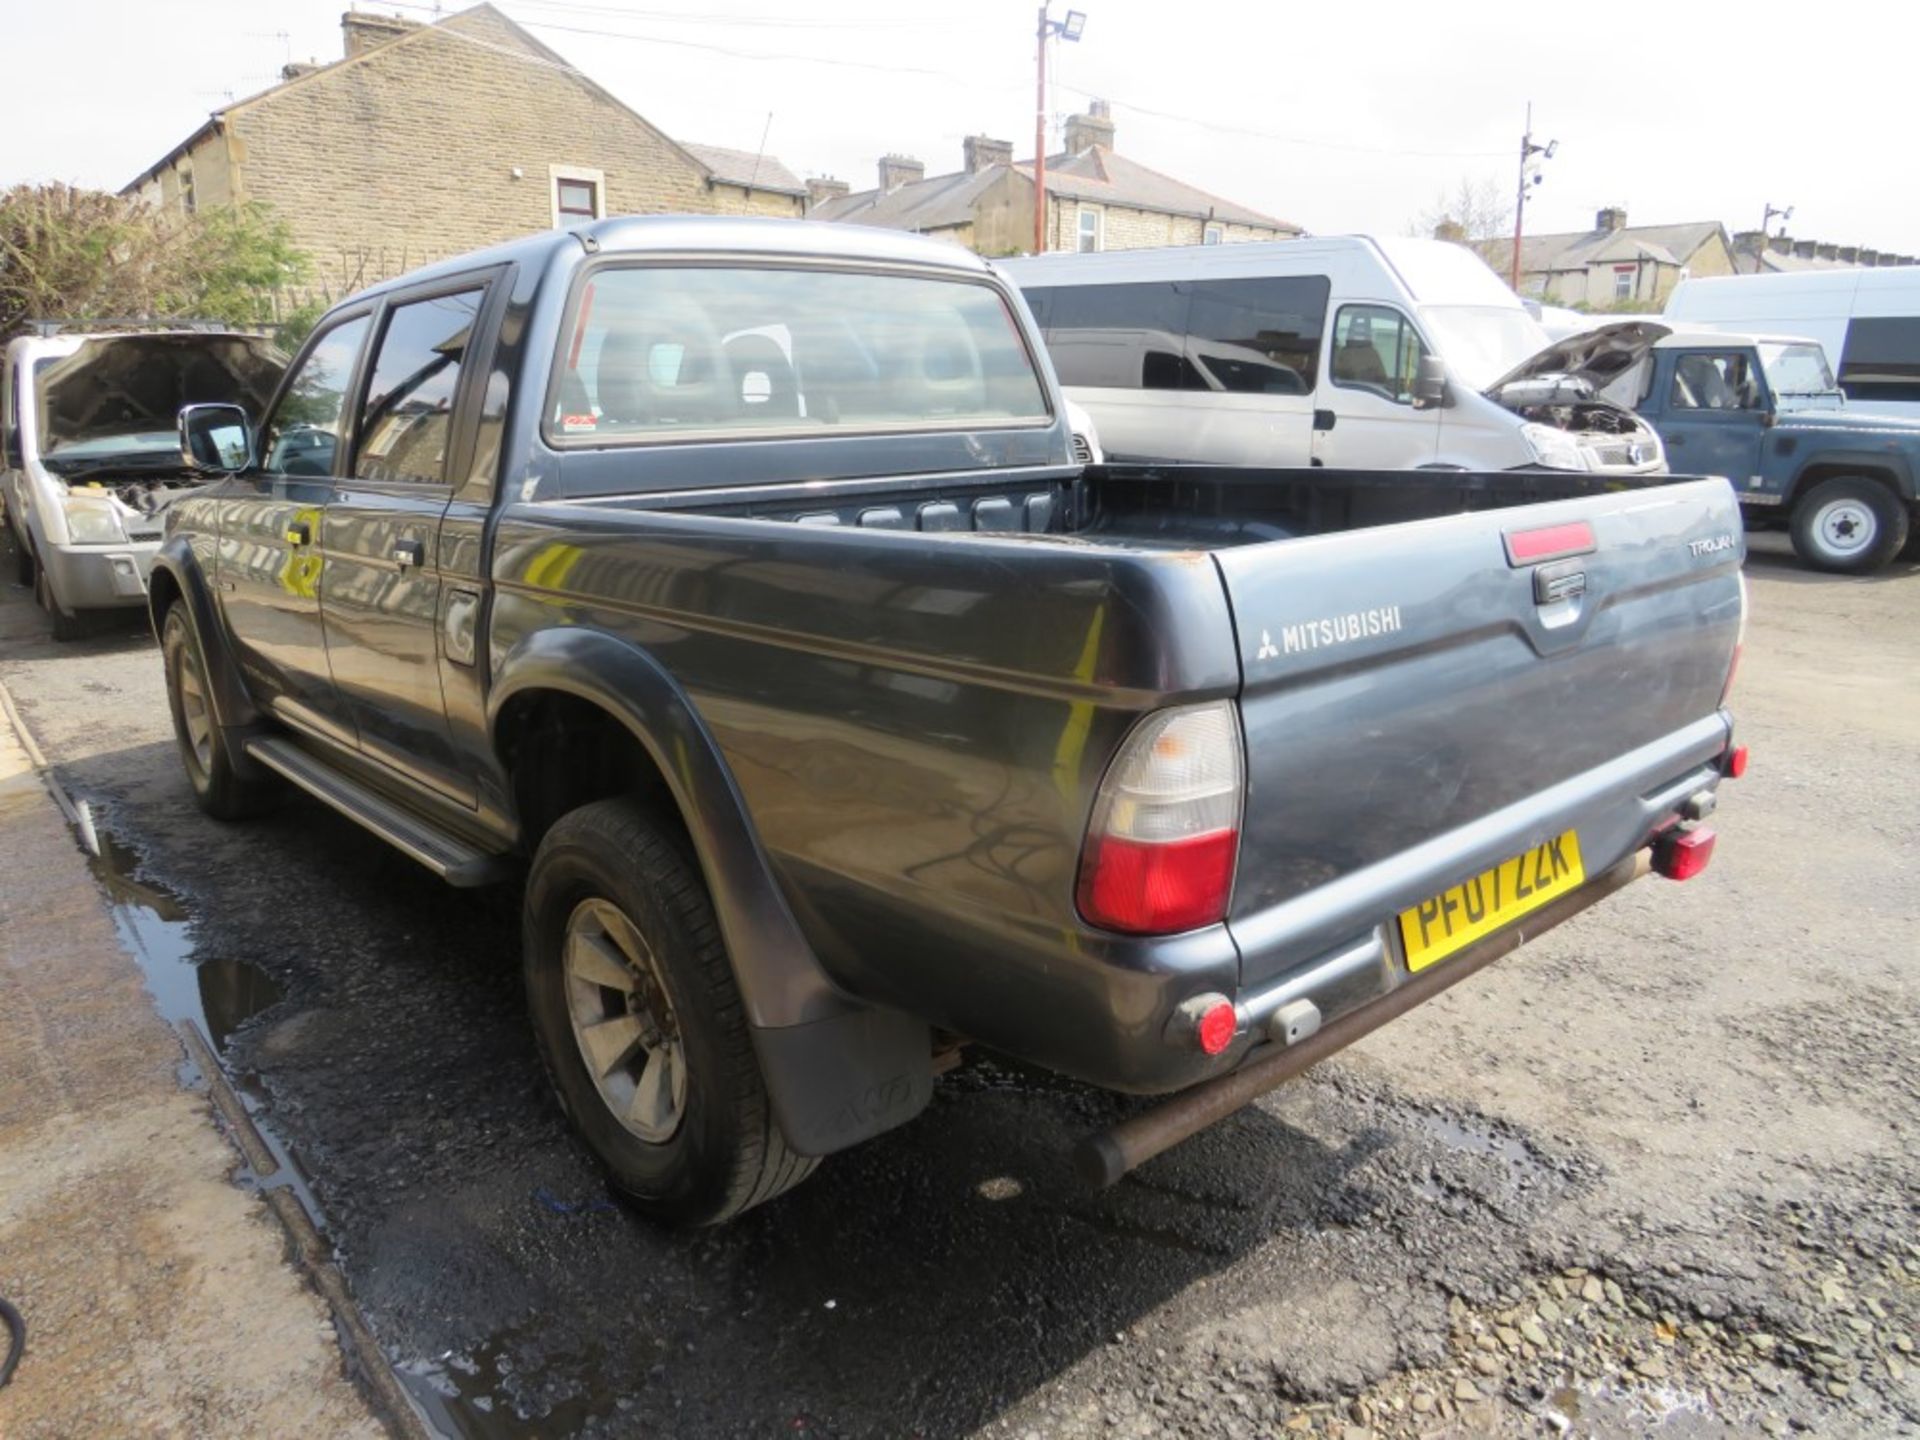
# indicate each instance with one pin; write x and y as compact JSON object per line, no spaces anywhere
{"x":407,"y":419}
{"x":303,"y":435}
{"x":1714,"y":382}
{"x":1376,"y":348}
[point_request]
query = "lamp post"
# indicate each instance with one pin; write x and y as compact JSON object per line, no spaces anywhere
{"x":1527,"y":151}
{"x":1067,"y":29}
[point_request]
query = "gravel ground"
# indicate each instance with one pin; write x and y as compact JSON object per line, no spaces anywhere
{"x":1655,"y":1173}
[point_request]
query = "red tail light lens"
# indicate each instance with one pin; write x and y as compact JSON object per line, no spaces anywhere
{"x":1736,"y":762}
{"x":1739,"y":641}
{"x":1550,"y":542}
{"x":1683,"y":856}
{"x":1165,"y":833}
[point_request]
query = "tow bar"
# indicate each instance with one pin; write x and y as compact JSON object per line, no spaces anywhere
{"x":1102,"y":1158}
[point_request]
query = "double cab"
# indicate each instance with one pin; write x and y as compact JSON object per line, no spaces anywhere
{"x":734,"y":587}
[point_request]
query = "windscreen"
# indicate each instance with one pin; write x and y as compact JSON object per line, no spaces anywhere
{"x":1796,"y":369}
{"x":114,"y":400}
{"x":1481,"y":343}
{"x":655,"y":352}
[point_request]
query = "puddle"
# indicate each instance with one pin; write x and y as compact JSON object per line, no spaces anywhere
{"x":485,"y":1395}
{"x":1475,"y":1139}
{"x":218,"y":994}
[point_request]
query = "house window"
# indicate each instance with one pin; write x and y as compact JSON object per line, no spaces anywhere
{"x":1623,"y":278}
{"x":184,"y":173}
{"x":579,"y":195}
{"x":1212,"y":235}
{"x":1089,"y":231}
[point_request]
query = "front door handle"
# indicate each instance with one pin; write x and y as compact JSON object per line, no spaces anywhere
{"x":299,"y":534}
{"x":408,"y":553}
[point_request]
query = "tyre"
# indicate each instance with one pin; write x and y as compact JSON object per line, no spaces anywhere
{"x":1849,"y":526}
{"x":640,"y":1023}
{"x":65,"y":626}
{"x":22,"y":562}
{"x":219,"y":788}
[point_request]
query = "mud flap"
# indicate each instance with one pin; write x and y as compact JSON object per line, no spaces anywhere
{"x":845,"y":1078}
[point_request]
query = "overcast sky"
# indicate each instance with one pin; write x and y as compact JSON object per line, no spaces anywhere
{"x":1337,"y":116}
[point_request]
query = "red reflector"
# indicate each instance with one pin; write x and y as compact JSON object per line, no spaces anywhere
{"x":1736,"y":765}
{"x":1156,"y":889}
{"x":1683,"y":856}
{"x":1217,"y":1028}
{"x":1550,"y":542}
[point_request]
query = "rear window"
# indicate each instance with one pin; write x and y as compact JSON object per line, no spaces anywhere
{"x":665,"y":352}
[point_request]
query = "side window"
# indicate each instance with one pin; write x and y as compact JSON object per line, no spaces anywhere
{"x":1122,"y":337}
{"x":1376,"y":348}
{"x":9,"y":442}
{"x":303,"y":434}
{"x":1881,"y":359}
{"x":1714,"y":382}
{"x":1259,"y":337}
{"x":406,"y":421}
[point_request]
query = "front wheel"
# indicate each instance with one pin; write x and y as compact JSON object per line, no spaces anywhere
{"x":1849,"y":526}
{"x":640,"y":1023}
{"x":65,"y":626}
{"x":222,"y":792}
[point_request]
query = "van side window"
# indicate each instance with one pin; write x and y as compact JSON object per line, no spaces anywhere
{"x":1258,"y":336}
{"x":1713,"y":382}
{"x":1881,"y":359}
{"x":1122,"y":337}
{"x":1376,"y":348}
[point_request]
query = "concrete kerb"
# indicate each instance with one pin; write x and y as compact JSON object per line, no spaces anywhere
{"x":52,"y":1066}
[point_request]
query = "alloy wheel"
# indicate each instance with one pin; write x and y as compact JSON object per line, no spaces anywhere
{"x":623,"y":1021}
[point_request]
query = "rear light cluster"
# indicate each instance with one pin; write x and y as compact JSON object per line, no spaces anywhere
{"x":1165,"y":834}
{"x":1739,"y":639}
{"x":1683,"y":855}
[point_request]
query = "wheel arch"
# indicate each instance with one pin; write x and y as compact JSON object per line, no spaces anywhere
{"x":176,"y":577}
{"x":1888,"y":470}
{"x":837,"y":1071}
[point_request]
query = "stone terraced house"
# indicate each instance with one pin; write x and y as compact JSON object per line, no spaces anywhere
{"x":425,"y":141}
{"x":1097,"y":199}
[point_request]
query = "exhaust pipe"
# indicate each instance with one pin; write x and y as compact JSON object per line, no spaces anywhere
{"x":1102,"y":1158}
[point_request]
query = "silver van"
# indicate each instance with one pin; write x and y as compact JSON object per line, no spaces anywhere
{"x":91,"y":455}
{"x":1349,"y":351}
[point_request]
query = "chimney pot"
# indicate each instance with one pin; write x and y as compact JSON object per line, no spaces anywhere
{"x":898,"y":170}
{"x":362,"y":33}
{"x":1091,"y":129}
{"x":983,"y":154}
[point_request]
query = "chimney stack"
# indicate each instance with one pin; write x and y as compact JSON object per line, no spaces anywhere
{"x":1803,"y":249}
{"x":1614,"y":217}
{"x":983,"y":154}
{"x":822,"y":188}
{"x":898,"y":170}
{"x":1091,"y":129}
{"x":1450,"y":229}
{"x":365,"y":32}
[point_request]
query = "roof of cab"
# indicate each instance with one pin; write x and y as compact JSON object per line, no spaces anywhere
{"x":709,"y":234}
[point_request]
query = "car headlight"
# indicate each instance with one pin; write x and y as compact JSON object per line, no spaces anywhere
{"x":1555,"y":449}
{"x":94,"y":522}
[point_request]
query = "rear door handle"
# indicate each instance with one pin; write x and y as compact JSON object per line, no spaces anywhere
{"x":408,"y":553}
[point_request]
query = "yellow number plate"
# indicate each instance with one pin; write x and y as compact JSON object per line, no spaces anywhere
{"x":1458,"y":917}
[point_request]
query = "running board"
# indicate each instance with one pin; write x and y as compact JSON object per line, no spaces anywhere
{"x":452,"y":859}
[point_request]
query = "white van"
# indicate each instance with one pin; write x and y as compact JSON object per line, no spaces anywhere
{"x":1347,"y":351}
{"x":1867,"y":320}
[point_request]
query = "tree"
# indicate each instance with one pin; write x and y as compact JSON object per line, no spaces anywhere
{"x":73,"y":254}
{"x":1475,"y":209}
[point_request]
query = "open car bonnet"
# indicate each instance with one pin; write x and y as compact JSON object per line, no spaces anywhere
{"x":1597,"y":356}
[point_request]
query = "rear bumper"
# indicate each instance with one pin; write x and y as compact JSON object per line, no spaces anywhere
{"x":99,"y":577}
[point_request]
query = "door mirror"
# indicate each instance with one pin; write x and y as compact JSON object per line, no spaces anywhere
{"x":215,"y":439}
{"x":1429,"y":383}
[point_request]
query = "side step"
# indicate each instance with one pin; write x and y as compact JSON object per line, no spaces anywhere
{"x":452,"y":859}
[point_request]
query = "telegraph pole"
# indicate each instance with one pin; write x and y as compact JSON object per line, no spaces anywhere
{"x":1067,"y":29}
{"x":1040,"y":145}
{"x":1527,"y":151}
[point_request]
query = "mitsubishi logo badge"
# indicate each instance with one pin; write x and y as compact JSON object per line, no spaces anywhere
{"x":1268,"y":650}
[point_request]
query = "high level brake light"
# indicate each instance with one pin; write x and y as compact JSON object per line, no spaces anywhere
{"x":1165,"y":834}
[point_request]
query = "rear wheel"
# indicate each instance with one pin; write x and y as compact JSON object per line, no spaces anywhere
{"x":641,"y":1025}
{"x":217,"y":785}
{"x":1849,"y":526}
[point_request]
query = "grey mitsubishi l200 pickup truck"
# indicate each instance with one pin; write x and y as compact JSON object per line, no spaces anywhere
{"x":734,"y":582}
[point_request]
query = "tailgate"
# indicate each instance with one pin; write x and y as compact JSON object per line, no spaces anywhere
{"x":1419,"y":704}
